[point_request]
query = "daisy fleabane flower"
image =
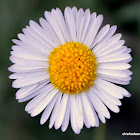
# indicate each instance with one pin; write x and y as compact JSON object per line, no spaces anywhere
{"x":67,"y":67}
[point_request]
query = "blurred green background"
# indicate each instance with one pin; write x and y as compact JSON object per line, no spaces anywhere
{"x":15,"y":123}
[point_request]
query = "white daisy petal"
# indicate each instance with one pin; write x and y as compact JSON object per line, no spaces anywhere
{"x":29,"y":55}
{"x":119,"y":50}
{"x":108,"y":103}
{"x":34,"y":90}
{"x":48,"y":110}
{"x":87,"y":124}
{"x":32,"y":42}
{"x":100,"y":35}
{"x":114,"y":66}
{"x":16,"y":76}
{"x":45,"y":91}
{"x":70,"y":23}
{"x":55,"y":111}
{"x":105,"y":38}
{"x":85,"y":24}
{"x":95,"y":115}
{"x":49,"y":32}
{"x":74,"y":10}
{"x":109,"y":88}
{"x":102,"y":118}
{"x":12,"y":69}
{"x":108,"y":44}
{"x":117,"y":81}
{"x":25,"y":81}
{"x":128,"y":50}
{"x":25,"y":90}
{"x":95,"y":29}
{"x":62,"y":24}
{"x":44,"y":102}
{"x":90,"y":28}
{"x":21,"y":46}
{"x":25,"y":73}
{"x":80,"y":111}
{"x":65,"y":122}
{"x":98,"y":105}
{"x":30,"y":45}
{"x":124,"y":49}
{"x":106,"y":50}
{"x":74,"y":121}
{"x":113,"y":73}
{"x":118,"y":58}
{"x":33,"y":93}
{"x":113,"y":99}
{"x":88,"y":110}
{"x":75,"y":107}
{"x":112,"y":89}
{"x":35,"y":37}
{"x":50,"y":16}
{"x":114,"y":39}
{"x":18,"y":60}
{"x":30,"y":66}
{"x":129,"y":72}
{"x":79,"y":23}
{"x":42,"y":35}
{"x":62,"y":111}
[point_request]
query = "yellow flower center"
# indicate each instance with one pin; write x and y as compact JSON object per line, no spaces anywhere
{"x":72,"y":68}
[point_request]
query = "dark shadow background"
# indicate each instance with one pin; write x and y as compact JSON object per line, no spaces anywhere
{"x":15,"y":123}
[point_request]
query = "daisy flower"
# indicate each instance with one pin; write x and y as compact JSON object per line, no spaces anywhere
{"x":67,"y":67}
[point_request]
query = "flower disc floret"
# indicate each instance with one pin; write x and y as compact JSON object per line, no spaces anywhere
{"x":72,"y":67}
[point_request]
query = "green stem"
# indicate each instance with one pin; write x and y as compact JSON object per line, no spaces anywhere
{"x":99,"y":132}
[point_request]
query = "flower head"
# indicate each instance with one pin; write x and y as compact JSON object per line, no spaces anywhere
{"x":68,"y":67}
